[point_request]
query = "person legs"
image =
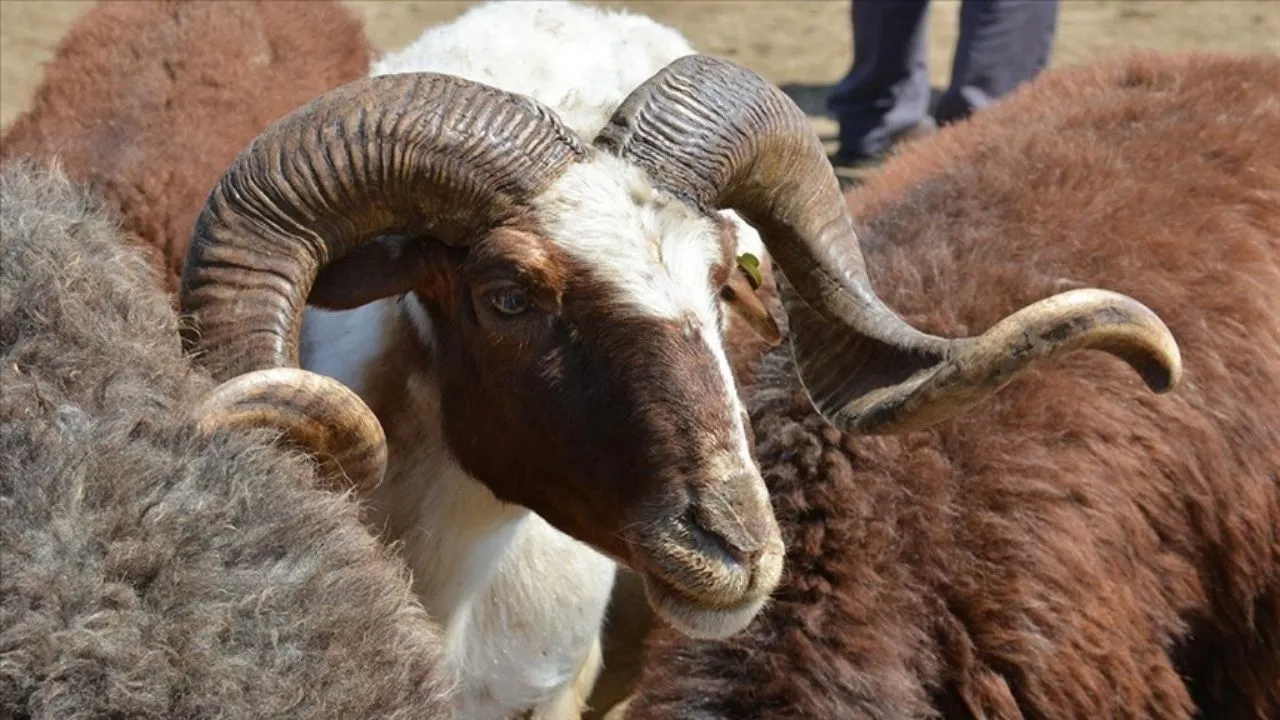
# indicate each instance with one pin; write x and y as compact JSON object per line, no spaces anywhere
{"x":886,"y":92}
{"x":1002,"y":44}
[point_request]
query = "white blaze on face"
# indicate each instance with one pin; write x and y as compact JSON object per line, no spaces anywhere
{"x":655,"y":250}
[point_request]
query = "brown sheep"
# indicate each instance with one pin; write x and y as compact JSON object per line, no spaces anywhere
{"x":147,"y":571}
{"x":1074,"y":547}
{"x":150,"y":101}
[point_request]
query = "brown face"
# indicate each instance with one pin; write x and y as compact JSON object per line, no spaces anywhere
{"x":620,"y":427}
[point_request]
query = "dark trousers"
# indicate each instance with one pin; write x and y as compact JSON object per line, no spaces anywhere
{"x":1002,"y":44}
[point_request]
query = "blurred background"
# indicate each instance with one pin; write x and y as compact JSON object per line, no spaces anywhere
{"x":802,"y":45}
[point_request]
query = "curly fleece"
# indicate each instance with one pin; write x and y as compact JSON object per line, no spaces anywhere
{"x":146,"y":572}
{"x":1074,"y":547}
{"x":149,"y":102}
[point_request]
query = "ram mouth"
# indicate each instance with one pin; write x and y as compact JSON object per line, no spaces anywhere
{"x":697,"y":619}
{"x":700,"y":612}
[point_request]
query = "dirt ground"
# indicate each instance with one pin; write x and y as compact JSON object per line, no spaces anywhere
{"x":803,"y":45}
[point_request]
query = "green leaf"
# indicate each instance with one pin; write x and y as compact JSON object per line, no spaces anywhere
{"x":750,"y":264}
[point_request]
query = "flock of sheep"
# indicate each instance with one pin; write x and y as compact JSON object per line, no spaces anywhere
{"x":343,"y":386}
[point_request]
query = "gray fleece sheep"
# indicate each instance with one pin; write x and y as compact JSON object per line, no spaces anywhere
{"x":148,"y":572}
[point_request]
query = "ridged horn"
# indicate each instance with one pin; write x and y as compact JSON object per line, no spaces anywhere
{"x":720,"y":136}
{"x":411,"y":155}
{"x":317,"y":414}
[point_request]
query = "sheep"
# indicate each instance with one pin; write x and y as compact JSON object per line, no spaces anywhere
{"x":1071,"y":548}
{"x":532,"y":318}
{"x":150,"y":101}
{"x":148,"y":569}
{"x":551,"y":658}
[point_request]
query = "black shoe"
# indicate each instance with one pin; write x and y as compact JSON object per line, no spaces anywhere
{"x":847,"y":182}
{"x":856,"y":159}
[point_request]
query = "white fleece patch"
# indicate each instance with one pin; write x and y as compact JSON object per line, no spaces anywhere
{"x":579,"y":60}
{"x":657,"y":251}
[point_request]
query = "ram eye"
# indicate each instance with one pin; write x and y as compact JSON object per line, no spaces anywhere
{"x":509,"y":300}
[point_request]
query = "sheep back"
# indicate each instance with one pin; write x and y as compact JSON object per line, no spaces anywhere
{"x":149,"y":102}
{"x":146,"y":572}
{"x":1075,"y":546}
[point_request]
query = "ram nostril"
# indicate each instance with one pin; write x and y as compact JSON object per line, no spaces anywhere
{"x":716,"y":543}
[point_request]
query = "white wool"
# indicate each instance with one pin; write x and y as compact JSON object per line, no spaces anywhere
{"x":579,"y":60}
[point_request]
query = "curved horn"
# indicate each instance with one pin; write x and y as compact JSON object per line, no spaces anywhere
{"x":407,"y":155}
{"x":720,"y":136}
{"x":316,"y":413}
{"x":420,"y":154}
{"x":1074,"y":320}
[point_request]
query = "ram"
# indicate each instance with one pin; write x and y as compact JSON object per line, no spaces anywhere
{"x":1073,"y":547}
{"x":148,"y":102}
{"x":151,"y":564}
{"x":530,"y":306}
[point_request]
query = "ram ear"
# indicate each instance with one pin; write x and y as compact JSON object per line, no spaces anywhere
{"x":742,"y":296}
{"x":388,"y":266}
